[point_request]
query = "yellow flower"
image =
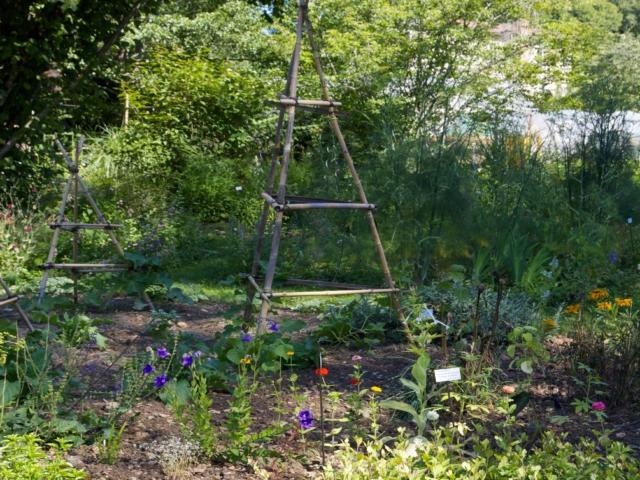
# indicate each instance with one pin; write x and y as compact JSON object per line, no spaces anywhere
{"x":604,"y":306}
{"x":572,"y":309}
{"x":624,"y":302}
{"x":598,"y":294}
{"x":549,"y":324}
{"x":376,"y":389}
{"x":246,"y":360}
{"x":290,"y":353}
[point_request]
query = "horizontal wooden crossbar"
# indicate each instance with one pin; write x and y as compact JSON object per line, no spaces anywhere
{"x":308,"y":203}
{"x":98,"y":267}
{"x":327,"y":293}
{"x":8,"y":300}
{"x":308,"y":103}
{"x":315,"y":110}
{"x":85,"y":226}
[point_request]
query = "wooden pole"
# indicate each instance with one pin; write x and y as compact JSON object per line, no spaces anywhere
{"x":335,"y":127}
{"x":308,"y":103}
{"x":125,"y":118}
{"x":282,"y":183}
{"x":76,"y":233}
{"x":328,"y":293}
{"x":271,"y":178}
{"x":54,"y":240}
{"x":20,"y":310}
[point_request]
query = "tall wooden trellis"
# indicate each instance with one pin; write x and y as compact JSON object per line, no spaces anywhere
{"x":13,"y":299}
{"x":75,"y":187}
{"x":280,"y":202}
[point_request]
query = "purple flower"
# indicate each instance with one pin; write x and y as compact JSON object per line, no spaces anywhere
{"x":246,"y":338}
{"x":160,"y":380}
{"x":274,"y":327}
{"x":197,"y":354}
{"x":305,"y":418}
{"x":148,"y":368}
{"x":187,"y":360}
{"x":613,"y":257}
{"x":162,"y":352}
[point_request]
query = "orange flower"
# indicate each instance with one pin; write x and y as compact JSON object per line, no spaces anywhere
{"x":572,"y":309}
{"x":322,"y":372}
{"x":549,"y":324}
{"x":604,"y":306}
{"x":624,"y":302}
{"x":598,"y":294}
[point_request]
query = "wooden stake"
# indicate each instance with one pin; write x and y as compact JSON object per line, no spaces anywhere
{"x":76,"y":233}
{"x":335,"y":127}
{"x":271,"y":177}
{"x":54,"y":240}
{"x":286,"y":155}
{"x":328,"y":293}
{"x":14,"y":299}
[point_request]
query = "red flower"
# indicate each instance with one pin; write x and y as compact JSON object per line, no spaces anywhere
{"x":354,"y":381}
{"x":322,"y":372}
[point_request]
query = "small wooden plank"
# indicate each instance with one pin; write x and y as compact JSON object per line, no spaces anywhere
{"x":85,"y":226}
{"x":9,"y":300}
{"x":327,"y":293}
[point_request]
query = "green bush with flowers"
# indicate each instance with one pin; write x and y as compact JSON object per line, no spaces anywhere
{"x":445,"y":456}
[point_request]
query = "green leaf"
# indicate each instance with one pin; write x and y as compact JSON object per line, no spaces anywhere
{"x":8,"y":392}
{"x":234,"y":355}
{"x":419,"y":370}
{"x":526,"y":367}
{"x":401,"y":406}
{"x":101,"y":340}
{"x":291,"y":325}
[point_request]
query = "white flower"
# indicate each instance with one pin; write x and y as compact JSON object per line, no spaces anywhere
{"x":238,"y":188}
{"x":432,"y":416}
{"x":415,"y":444}
{"x":630,"y":220}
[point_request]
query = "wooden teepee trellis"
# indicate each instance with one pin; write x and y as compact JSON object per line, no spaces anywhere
{"x":76,"y":186}
{"x":12,"y":299}
{"x":281,"y":203}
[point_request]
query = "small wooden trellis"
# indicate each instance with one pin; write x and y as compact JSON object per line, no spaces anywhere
{"x":281,"y":203}
{"x":76,"y":186}
{"x":12,"y":299}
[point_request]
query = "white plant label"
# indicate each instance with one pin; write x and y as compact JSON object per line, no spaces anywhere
{"x":447,"y":375}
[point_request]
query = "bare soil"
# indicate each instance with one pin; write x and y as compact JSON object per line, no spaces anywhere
{"x":150,"y":421}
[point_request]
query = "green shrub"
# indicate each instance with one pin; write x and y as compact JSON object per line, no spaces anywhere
{"x":359,"y":323}
{"x":440,"y":458}
{"x":22,"y":457}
